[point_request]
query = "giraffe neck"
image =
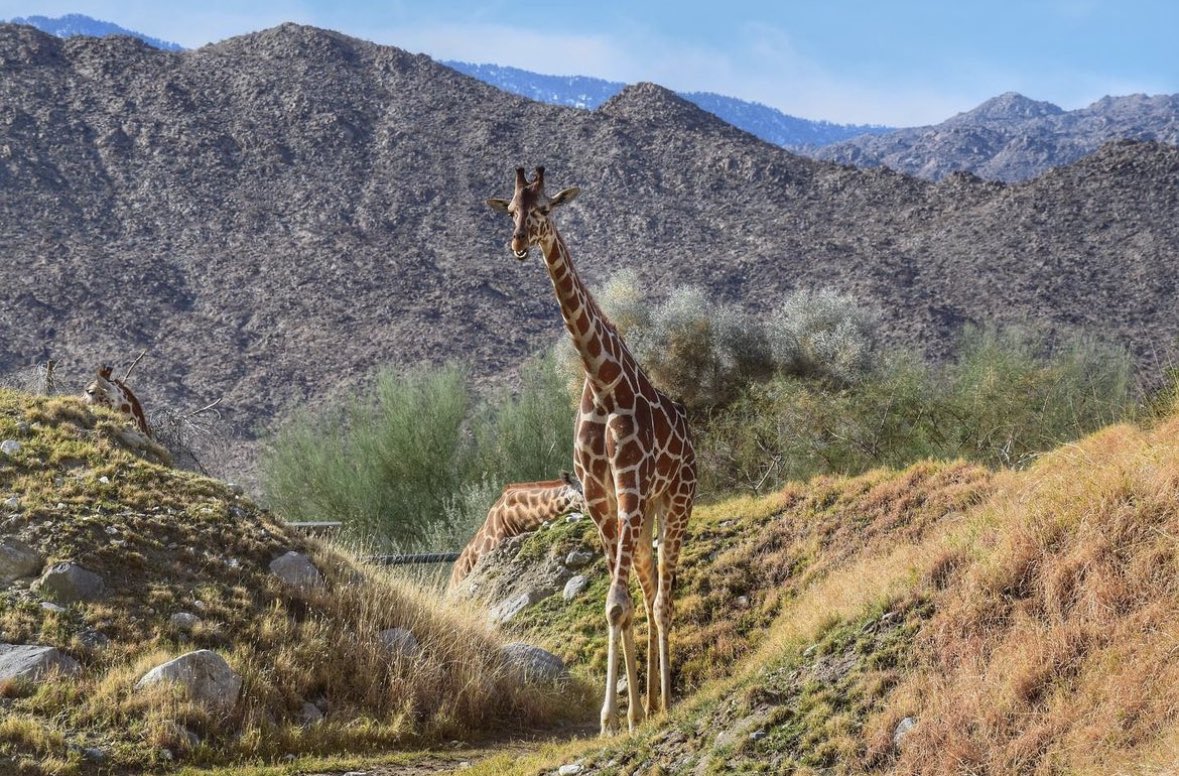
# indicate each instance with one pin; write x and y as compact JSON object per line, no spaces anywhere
{"x":604,"y":356}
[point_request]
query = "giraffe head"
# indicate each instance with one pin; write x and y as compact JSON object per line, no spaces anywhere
{"x":529,"y":209}
{"x":112,"y":392}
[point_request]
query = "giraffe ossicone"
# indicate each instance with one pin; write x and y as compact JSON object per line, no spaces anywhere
{"x":522,"y":507}
{"x":633,"y":454}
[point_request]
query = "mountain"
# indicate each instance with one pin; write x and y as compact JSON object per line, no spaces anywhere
{"x":275,"y":215}
{"x":1012,"y":138}
{"x":769,"y":124}
{"x":77,"y":24}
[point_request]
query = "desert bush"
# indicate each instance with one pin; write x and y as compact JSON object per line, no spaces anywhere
{"x":1008,"y":396}
{"x":1013,"y":392}
{"x":385,"y":465}
{"x":405,"y":467}
{"x":697,"y":351}
{"x":824,"y":334}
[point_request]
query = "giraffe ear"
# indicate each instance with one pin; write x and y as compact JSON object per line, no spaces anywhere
{"x":498,"y":204}
{"x":571,"y":481}
{"x":565,"y":196}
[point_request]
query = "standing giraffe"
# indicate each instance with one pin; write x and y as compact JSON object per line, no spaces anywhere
{"x":633,"y":455}
{"x":522,"y":507}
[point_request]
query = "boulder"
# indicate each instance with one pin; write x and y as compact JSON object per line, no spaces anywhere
{"x":579,"y":559}
{"x":903,"y":728}
{"x":533,"y":665}
{"x":184,"y":621}
{"x":296,"y":571}
{"x":400,"y":643}
{"x":34,"y":663}
{"x":68,"y":582}
{"x":10,"y":447}
{"x":17,"y":560}
{"x":575,"y":587}
{"x":205,"y":675}
{"x":509,"y":608}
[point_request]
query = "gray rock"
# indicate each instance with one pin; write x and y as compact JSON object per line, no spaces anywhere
{"x":10,"y":447}
{"x":534,"y":665}
{"x":94,"y":754}
{"x":17,"y":560}
{"x":49,"y":606}
{"x":207,"y":678}
{"x":575,"y":587}
{"x":68,"y":582}
{"x":508,"y":609}
{"x":400,"y":643}
{"x":94,"y":639}
{"x":310,"y":715}
{"x":12,"y":502}
{"x":579,"y":559}
{"x":903,"y":728}
{"x":572,"y":769}
{"x":574,"y":517}
{"x":297,"y":571}
{"x":34,"y":663}
{"x":184,"y":621}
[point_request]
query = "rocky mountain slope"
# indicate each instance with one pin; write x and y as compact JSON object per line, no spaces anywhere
{"x":769,"y":124}
{"x":273,"y":216}
{"x":1012,"y":138}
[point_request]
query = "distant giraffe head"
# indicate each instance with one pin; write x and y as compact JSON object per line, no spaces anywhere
{"x":108,"y":391}
{"x":529,"y":209}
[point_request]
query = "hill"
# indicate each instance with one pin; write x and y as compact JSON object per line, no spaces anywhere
{"x":329,"y":654}
{"x":940,"y":619}
{"x":576,"y":91}
{"x":274,"y":215}
{"x":1012,"y":138}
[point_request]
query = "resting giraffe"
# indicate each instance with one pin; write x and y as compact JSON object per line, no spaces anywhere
{"x":633,"y":455}
{"x":522,"y":507}
{"x":112,"y":392}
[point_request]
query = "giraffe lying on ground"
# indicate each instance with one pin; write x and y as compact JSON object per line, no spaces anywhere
{"x":108,"y":391}
{"x":633,"y":454}
{"x":522,"y":507}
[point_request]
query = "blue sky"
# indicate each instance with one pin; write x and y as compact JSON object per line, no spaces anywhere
{"x":899,"y":63}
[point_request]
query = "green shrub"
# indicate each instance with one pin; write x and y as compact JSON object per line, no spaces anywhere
{"x":417,"y":463}
{"x":386,"y":466}
{"x":824,"y":334}
{"x":1007,"y":397}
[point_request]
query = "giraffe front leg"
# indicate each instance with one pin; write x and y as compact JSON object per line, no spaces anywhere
{"x":609,"y":718}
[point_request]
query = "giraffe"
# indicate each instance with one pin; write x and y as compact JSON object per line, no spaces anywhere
{"x":633,"y":454}
{"x":112,"y":392}
{"x":522,"y":507}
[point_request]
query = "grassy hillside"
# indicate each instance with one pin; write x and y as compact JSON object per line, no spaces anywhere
{"x":939,"y":619}
{"x":943,"y":618}
{"x":169,"y":542}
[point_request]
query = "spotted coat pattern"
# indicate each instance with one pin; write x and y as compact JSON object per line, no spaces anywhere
{"x":633,"y":454}
{"x":522,"y":507}
{"x":112,"y":392}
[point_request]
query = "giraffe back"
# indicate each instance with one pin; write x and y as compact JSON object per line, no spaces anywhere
{"x":522,"y":507}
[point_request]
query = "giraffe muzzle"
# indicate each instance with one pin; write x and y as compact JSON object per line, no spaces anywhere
{"x":521,"y":255}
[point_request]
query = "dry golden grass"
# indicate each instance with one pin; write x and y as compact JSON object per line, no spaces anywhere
{"x":168,"y":541}
{"x":1055,"y":651}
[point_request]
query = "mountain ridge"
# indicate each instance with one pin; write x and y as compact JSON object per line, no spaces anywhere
{"x":275,"y":215}
{"x":1012,"y":138}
